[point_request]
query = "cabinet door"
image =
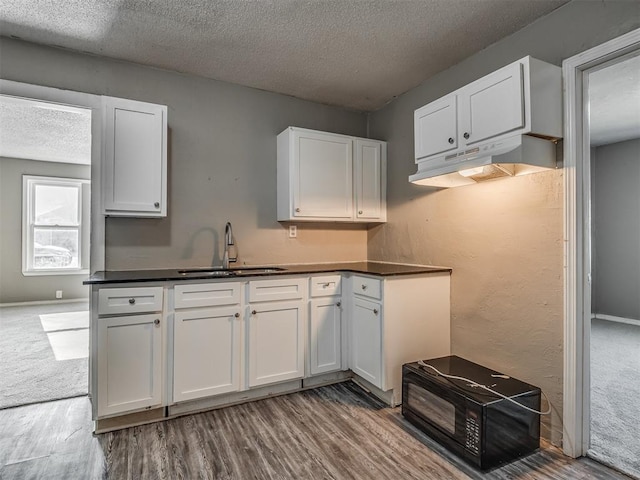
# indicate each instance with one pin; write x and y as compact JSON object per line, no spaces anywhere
{"x":135,"y":159}
{"x":436,"y":128}
{"x":322,"y":176}
{"x":366,"y":341}
{"x":493,"y":105}
{"x":325,"y":340}
{"x":129,"y":363}
{"x":369,"y":186}
{"x":276,"y":342}
{"x":206,"y":356}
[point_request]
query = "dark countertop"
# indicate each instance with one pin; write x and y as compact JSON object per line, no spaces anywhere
{"x":163,"y":275}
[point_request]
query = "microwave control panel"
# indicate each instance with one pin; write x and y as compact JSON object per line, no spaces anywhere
{"x":472,"y":438}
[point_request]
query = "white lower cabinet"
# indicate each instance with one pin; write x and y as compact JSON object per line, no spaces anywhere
{"x":397,"y":320}
{"x":129,"y":373}
{"x":276,"y":342}
{"x":366,"y":340}
{"x":325,"y":338}
{"x":206,"y":353}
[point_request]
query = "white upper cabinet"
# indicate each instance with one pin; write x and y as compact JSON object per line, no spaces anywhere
{"x":135,"y":158}
{"x":329,"y":177}
{"x":524,"y":97}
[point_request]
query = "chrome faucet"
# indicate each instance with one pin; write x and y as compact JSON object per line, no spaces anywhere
{"x":228,"y":242}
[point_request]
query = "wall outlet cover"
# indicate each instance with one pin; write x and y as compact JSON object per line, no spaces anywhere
{"x":58,"y":293}
{"x":293,"y":231}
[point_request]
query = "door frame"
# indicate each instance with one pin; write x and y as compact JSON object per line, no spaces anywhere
{"x":94,"y":103}
{"x":577,"y":240}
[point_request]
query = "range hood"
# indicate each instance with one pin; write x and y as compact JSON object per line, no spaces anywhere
{"x":512,"y":156}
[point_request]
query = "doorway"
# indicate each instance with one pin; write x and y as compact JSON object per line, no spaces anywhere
{"x":45,"y":173}
{"x":582,"y":253}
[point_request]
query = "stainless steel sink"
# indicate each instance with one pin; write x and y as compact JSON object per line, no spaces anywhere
{"x":206,"y":271}
{"x":250,"y":270}
{"x":221,"y":272}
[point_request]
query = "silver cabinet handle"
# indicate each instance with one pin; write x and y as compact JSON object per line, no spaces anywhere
{"x":339,"y":304}
{"x":237,"y":315}
{"x":375,"y":311}
{"x":451,"y":140}
{"x":466,"y":135}
{"x":359,"y":212}
{"x":132,"y":301}
{"x":253,"y":312}
{"x":326,"y":285}
{"x":156,"y":321}
{"x":364,"y":287}
{"x":298,"y":209}
{"x":157,"y":204}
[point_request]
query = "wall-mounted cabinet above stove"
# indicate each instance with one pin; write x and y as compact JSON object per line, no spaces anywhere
{"x":330,"y":177}
{"x":524,"y":97}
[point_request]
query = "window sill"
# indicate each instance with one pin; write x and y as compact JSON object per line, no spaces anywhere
{"x":40,"y":273}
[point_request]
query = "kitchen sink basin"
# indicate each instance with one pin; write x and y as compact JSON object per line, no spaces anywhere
{"x":221,"y":272}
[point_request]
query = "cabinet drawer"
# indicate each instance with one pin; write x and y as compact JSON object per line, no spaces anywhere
{"x":129,"y":300}
{"x":326,"y":286}
{"x":207,"y":295}
{"x":281,"y":289}
{"x":367,"y":287}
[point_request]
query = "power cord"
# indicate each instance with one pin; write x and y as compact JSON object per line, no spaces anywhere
{"x":475,"y":384}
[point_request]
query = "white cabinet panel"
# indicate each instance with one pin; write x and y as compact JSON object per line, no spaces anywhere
{"x":207,"y":294}
{"x":135,"y":158}
{"x":366,"y":340}
{"x":322,"y":175}
{"x":367,"y":286}
{"x":276,"y":342}
{"x":277,"y":289}
{"x":370,"y":180}
{"x":436,"y":127}
{"x":206,"y":352}
{"x":493,"y":105}
{"x":129,"y":300}
{"x":325,"y":339}
{"x":129,"y":363}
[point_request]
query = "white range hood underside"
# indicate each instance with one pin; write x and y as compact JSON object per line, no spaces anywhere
{"x":514,"y":156}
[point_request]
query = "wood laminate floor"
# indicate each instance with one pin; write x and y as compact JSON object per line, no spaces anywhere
{"x":334,"y":432}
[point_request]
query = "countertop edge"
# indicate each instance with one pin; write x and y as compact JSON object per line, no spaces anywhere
{"x":169,"y":275}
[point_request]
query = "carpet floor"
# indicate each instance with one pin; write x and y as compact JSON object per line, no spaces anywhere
{"x":44,"y":356}
{"x":615,"y":394}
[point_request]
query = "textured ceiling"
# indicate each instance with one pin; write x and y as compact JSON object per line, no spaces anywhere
{"x":353,"y":53}
{"x":614,"y":102}
{"x":44,"y":131}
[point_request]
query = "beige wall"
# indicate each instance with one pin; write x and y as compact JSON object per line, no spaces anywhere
{"x":503,"y":239}
{"x":222,"y":162}
{"x":14,"y":286}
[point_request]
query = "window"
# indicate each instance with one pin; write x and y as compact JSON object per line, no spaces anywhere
{"x":55,"y":235}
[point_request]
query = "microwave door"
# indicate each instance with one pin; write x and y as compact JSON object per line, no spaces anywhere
{"x":440,"y":407}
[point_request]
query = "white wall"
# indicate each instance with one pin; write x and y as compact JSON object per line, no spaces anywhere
{"x":616,"y":229}
{"x":503,"y":239}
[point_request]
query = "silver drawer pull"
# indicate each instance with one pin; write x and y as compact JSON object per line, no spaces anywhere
{"x":253,"y":312}
{"x":364,"y":287}
{"x":339,"y":304}
{"x":132,"y":301}
{"x":375,"y":311}
{"x":326,"y":285}
{"x":237,"y":315}
{"x":156,"y":321}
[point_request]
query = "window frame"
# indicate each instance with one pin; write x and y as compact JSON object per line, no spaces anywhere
{"x":29,"y":184}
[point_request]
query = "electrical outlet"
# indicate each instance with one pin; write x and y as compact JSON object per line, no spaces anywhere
{"x":293,"y":231}
{"x":58,"y":293}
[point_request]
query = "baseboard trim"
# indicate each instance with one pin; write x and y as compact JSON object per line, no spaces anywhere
{"x":612,"y":318}
{"x":44,"y":302}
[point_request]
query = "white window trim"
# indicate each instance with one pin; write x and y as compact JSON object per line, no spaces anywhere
{"x":28,"y":198}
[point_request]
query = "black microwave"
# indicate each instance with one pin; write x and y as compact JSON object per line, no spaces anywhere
{"x":482,"y":428}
